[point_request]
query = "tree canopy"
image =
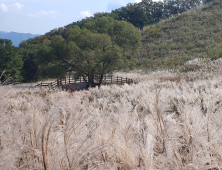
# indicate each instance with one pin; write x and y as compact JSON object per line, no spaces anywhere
{"x":10,"y":61}
{"x":98,"y":48}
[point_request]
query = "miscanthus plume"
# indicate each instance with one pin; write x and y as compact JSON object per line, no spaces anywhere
{"x":164,"y":121}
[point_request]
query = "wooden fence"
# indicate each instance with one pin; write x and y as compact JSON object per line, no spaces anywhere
{"x":106,"y":80}
{"x":116,"y":80}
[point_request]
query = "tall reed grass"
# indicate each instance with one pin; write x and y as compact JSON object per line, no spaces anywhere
{"x":165,"y":121}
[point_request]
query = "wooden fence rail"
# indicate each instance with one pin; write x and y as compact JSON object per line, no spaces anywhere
{"x":106,"y":80}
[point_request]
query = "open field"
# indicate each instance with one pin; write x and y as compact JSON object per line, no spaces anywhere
{"x":164,"y":121}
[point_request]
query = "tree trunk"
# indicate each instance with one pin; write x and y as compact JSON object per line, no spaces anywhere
{"x":100,"y":79}
{"x":91,"y":82}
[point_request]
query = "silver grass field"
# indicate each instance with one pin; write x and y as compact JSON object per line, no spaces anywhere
{"x":165,"y":121}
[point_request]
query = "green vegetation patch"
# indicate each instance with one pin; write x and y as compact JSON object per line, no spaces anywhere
{"x":196,"y":33}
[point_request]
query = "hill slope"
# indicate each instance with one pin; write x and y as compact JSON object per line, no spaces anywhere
{"x":193,"y":34}
{"x":15,"y":37}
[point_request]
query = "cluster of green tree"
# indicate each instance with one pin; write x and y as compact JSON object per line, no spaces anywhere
{"x":148,"y":11}
{"x":193,"y":34}
{"x":19,"y":63}
{"x":29,"y":50}
{"x":10,"y":61}
{"x":97,"y":48}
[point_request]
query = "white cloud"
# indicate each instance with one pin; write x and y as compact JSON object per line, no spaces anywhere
{"x":4,"y":7}
{"x":114,"y":4}
{"x":43,"y":13}
{"x":32,"y":15}
{"x":46,"y":13}
{"x":84,"y":14}
{"x":18,"y":5}
{"x":10,"y":8}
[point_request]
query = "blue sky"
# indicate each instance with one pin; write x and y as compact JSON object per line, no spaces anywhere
{"x":41,"y":16}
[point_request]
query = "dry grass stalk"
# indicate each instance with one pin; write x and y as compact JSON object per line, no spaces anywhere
{"x":136,"y":126}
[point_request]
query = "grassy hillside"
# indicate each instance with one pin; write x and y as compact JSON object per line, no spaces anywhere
{"x":193,"y":34}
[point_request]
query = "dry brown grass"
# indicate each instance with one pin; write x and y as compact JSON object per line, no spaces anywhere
{"x":159,"y":123}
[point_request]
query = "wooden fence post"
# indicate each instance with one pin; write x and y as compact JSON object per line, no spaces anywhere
{"x":65,"y":81}
{"x":121,"y":80}
{"x":111,"y":79}
{"x":117,"y":79}
{"x":69,"y":79}
{"x":126,"y":80}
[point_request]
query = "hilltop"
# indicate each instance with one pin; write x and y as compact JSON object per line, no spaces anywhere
{"x":193,"y":34}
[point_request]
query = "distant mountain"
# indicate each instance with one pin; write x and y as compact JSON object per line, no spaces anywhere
{"x":16,"y":37}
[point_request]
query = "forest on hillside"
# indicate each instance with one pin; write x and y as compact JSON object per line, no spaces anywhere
{"x":141,"y":42}
{"x":146,"y":12}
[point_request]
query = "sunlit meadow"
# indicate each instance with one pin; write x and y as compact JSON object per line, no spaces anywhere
{"x":166,"y":120}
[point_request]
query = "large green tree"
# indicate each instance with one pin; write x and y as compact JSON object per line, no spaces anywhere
{"x":29,"y":50}
{"x":98,"y":48}
{"x":133,"y":13}
{"x":10,"y":61}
